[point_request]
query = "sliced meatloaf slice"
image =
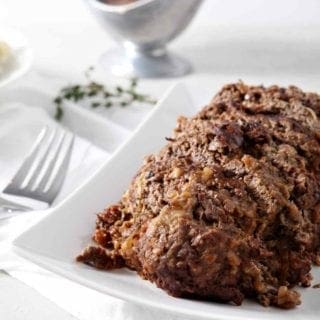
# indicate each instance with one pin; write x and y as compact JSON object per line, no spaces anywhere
{"x":230,"y":207}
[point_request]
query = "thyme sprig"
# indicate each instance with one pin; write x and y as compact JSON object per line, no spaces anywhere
{"x":99,"y":95}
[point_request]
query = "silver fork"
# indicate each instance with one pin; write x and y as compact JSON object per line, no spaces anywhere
{"x":41,"y":175}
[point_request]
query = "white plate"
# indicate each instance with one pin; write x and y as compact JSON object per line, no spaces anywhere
{"x":56,"y":240}
{"x":22,"y":55}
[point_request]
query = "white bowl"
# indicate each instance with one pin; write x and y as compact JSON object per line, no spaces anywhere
{"x":22,"y":55}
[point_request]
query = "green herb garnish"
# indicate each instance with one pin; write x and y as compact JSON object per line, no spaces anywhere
{"x":99,"y":95}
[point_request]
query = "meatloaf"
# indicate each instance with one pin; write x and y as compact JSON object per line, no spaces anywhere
{"x":230,"y":207}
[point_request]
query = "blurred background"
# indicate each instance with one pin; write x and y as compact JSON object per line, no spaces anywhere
{"x":226,"y":12}
{"x":229,"y":36}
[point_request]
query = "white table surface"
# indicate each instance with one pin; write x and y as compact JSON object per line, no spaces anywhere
{"x":271,"y":40}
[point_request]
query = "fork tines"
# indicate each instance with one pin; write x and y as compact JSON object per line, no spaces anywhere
{"x":42,"y":173}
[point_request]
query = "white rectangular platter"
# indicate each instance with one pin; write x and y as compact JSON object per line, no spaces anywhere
{"x":55,"y":241}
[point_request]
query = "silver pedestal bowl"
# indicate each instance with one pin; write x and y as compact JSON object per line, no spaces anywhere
{"x":143,"y":28}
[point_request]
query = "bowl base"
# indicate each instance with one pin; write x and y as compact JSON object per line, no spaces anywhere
{"x":144,"y":64}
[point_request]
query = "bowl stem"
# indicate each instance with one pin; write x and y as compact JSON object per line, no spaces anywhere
{"x":144,"y":62}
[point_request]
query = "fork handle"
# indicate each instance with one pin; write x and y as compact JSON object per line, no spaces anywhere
{"x":10,"y":207}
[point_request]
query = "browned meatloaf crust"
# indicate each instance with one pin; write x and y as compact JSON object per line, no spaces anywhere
{"x":230,"y":207}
